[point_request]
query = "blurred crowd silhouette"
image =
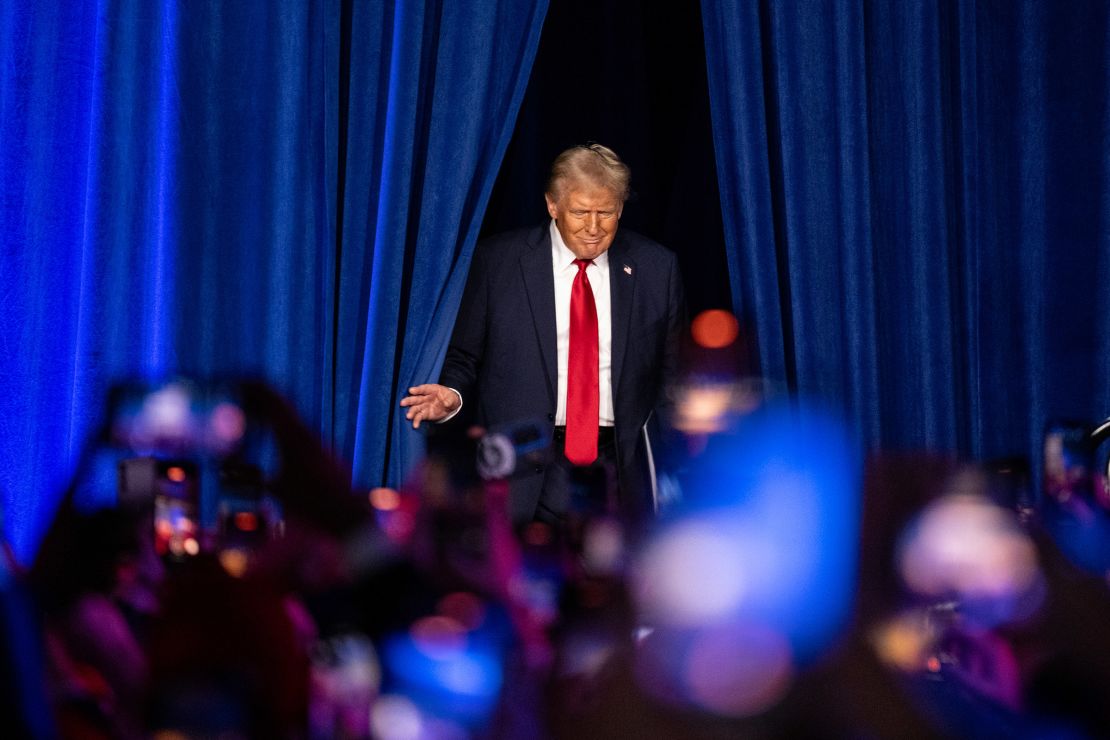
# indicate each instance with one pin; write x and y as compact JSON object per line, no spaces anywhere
{"x":212,"y":573}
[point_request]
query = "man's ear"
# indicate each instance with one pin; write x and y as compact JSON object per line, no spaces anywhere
{"x":552,"y":206}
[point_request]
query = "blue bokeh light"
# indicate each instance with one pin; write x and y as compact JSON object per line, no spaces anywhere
{"x":770,"y":526}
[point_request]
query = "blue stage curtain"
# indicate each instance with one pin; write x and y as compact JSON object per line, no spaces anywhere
{"x":434,"y":93}
{"x":916,"y":198}
{"x":290,"y":189}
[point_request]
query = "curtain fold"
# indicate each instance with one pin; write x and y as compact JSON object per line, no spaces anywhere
{"x":913,"y":197}
{"x":433,"y":118}
{"x":288,"y":189}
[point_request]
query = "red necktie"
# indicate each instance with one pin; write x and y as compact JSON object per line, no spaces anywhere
{"x":582,"y":371}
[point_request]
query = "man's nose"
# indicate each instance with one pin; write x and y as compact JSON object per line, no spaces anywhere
{"x":593,"y":222}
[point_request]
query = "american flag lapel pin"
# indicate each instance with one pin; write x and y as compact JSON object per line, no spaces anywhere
{"x":627,"y":270}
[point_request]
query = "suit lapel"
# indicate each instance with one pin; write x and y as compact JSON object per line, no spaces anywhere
{"x":539,"y":282}
{"x":622,"y":284}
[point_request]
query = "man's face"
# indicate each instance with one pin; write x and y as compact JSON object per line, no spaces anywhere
{"x":586,"y":216}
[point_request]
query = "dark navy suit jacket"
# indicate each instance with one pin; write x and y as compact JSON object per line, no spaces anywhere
{"x":502,"y":354}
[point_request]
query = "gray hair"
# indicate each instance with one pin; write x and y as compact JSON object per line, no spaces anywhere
{"x":590,"y":163}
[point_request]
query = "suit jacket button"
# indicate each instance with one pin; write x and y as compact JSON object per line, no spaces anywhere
{"x":551,"y":417}
{"x":539,"y":469}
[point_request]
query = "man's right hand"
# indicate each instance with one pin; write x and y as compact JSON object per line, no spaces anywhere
{"x":430,"y":402}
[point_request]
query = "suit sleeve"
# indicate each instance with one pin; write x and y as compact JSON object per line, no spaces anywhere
{"x":668,"y":445}
{"x":676,"y":328}
{"x":464,"y":356}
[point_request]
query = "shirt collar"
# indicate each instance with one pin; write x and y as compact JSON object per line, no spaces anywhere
{"x":562,"y":257}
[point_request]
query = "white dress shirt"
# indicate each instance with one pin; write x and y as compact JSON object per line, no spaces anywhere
{"x":562,"y":264}
{"x":564,"y":269}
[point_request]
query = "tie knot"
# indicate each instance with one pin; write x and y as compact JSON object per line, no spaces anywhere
{"x":583,"y":264}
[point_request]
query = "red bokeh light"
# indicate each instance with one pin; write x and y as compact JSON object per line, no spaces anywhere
{"x":385,"y":499}
{"x":715,"y":329}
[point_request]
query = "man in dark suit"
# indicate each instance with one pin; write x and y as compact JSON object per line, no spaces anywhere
{"x":574,"y":324}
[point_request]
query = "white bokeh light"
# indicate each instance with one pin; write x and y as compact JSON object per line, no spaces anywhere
{"x":691,"y":575}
